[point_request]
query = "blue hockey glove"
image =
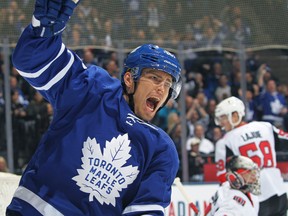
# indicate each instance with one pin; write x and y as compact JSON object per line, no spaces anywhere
{"x":50,"y":16}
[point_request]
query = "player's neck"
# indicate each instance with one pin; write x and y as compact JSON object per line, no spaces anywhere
{"x":241,"y":124}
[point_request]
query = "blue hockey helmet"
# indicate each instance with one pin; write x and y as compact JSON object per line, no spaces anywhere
{"x":152,"y":56}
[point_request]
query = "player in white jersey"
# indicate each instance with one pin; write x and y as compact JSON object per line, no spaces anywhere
{"x":100,"y":155}
{"x":256,"y":140}
{"x":237,"y":196}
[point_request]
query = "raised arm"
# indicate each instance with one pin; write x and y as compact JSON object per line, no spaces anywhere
{"x":40,"y":56}
{"x":48,"y":22}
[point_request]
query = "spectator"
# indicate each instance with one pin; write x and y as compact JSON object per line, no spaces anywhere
{"x":111,"y":67}
{"x":75,"y":39}
{"x":89,"y":58}
{"x":173,"y":120}
{"x":283,"y":89}
{"x":19,"y":133}
{"x":210,"y":109}
{"x":108,"y":34}
{"x":2,"y":108}
{"x":273,"y":105}
{"x":251,"y":83}
{"x":252,"y":112}
{"x":211,"y":39}
{"x":263,"y":76}
{"x":23,"y":87}
{"x":50,"y":112}
{"x":212,"y":79}
{"x":3,"y":165}
{"x":194,"y":84}
{"x":114,"y":56}
{"x":206,"y":147}
{"x":252,"y":62}
{"x":16,"y":88}
{"x":161,"y":118}
{"x":195,"y":160}
{"x":16,"y":20}
{"x":236,"y":83}
{"x":153,"y":15}
{"x":202,"y":99}
{"x":2,"y":126}
{"x":217,"y":134}
{"x":134,"y":7}
{"x":240,"y":31}
{"x":196,"y":115}
{"x":223,"y":90}
{"x":37,"y":113}
{"x":176,"y":135}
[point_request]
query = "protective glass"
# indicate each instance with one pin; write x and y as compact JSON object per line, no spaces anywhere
{"x":156,"y":79}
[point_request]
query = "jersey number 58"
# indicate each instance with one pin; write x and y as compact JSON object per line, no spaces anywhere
{"x":265,"y":149}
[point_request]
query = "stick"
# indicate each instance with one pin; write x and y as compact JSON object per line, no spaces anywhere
{"x":188,"y":198}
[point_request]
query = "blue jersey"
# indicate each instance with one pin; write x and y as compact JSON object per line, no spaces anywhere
{"x":97,"y":157}
{"x":272,"y":104}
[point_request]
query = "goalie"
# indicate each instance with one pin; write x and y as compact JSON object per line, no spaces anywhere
{"x":100,"y":155}
{"x":236,"y":196}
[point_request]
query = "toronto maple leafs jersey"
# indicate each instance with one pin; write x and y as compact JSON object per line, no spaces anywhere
{"x":255,"y":140}
{"x":231,"y":202}
{"x":97,"y":157}
{"x":271,"y":105}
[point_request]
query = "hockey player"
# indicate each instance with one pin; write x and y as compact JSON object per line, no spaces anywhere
{"x":256,"y":140}
{"x":236,"y":196}
{"x":100,"y":156}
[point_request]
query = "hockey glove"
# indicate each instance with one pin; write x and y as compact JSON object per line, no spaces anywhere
{"x":50,"y":16}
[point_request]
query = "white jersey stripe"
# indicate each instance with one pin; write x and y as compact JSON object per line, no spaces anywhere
{"x":140,"y":208}
{"x":272,"y":118}
{"x":38,"y":73}
{"x":59,"y":76}
{"x":37,"y":202}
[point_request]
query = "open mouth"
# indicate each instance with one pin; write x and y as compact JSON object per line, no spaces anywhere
{"x":152,"y":103}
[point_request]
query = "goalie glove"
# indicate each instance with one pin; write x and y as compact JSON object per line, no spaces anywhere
{"x":50,"y":16}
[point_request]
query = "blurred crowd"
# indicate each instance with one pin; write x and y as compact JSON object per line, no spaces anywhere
{"x":210,"y":76}
{"x":103,"y":23}
{"x":208,"y":81}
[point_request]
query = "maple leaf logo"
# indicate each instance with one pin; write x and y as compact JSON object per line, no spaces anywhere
{"x":276,"y":106}
{"x":103,"y":176}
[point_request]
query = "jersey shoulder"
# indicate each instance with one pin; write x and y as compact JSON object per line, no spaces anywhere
{"x":233,"y":197}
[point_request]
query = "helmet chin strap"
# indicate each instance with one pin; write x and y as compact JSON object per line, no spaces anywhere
{"x":131,"y":101}
{"x":130,"y":97}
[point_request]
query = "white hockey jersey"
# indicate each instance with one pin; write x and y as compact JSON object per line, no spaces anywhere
{"x":255,"y":140}
{"x":230,"y":202}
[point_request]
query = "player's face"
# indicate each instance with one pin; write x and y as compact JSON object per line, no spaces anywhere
{"x":224,"y":123}
{"x":151,"y":92}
